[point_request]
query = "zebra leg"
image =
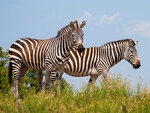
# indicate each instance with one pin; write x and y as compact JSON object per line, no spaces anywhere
{"x":39,"y":79}
{"x":92,"y":80}
{"x":43,"y":82}
{"x":16,"y":81}
{"x":19,"y":71}
{"x":102,"y":71}
{"x":52,"y":79}
{"x":46,"y":80}
{"x":59,"y":77}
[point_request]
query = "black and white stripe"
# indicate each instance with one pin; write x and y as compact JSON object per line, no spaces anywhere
{"x":46,"y":54}
{"x":96,"y":61}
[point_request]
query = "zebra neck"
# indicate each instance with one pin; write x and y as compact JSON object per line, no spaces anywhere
{"x":65,"y":46}
{"x":116,"y":54}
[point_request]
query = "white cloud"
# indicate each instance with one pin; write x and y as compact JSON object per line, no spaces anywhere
{"x":105,"y":19}
{"x":86,"y":16}
{"x":142,"y":28}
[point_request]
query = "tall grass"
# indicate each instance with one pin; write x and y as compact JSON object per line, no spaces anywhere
{"x":113,"y":96}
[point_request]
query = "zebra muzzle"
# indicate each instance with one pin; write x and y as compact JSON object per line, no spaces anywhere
{"x":80,"y":48}
{"x":137,"y":64}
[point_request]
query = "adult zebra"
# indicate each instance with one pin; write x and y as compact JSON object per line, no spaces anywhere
{"x":46,"y":54}
{"x":96,"y":61}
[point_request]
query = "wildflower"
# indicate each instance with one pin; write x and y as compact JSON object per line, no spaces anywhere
{"x":46,"y":98}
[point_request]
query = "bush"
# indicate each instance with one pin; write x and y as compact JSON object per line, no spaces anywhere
{"x":4,"y":87}
{"x":114,"y":95}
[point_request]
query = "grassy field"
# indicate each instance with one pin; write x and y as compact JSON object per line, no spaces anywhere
{"x":113,"y":96}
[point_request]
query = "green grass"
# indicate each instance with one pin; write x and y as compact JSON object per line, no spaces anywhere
{"x":113,"y":96}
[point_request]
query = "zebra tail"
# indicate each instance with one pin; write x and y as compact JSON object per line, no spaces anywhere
{"x":10,"y":73}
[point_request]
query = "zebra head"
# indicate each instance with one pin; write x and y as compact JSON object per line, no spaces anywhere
{"x":131,"y":54}
{"x":77,"y":35}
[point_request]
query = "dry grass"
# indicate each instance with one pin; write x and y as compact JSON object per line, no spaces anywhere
{"x":115,"y":96}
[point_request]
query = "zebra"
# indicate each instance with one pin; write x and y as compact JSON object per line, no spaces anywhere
{"x":96,"y":61}
{"x":45,"y":54}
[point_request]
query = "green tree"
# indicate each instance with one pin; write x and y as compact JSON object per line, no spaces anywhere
{"x":28,"y":82}
{"x":3,"y":71}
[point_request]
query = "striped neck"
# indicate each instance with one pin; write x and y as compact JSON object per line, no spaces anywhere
{"x":65,"y":34}
{"x":66,"y":43}
{"x":115,"y":51}
{"x":63,"y":30}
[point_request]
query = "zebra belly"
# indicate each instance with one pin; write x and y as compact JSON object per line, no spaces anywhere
{"x":92,"y":71}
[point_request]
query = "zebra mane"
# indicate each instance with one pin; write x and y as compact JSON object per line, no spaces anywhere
{"x":68,"y":28}
{"x":63,"y":30}
{"x":120,"y":41}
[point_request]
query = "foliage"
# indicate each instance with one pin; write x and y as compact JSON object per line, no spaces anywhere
{"x":114,"y":95}
{"x":3,"y":71}
{"x":27,"y":83}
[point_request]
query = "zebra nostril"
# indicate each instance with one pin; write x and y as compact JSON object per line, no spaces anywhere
{"x":139,"y":65}
{"x":136,"y":66}
{"x":136,"y":63}
{"x":81,"y":49}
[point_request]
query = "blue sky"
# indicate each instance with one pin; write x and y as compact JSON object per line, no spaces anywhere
{"x":106,"y":21}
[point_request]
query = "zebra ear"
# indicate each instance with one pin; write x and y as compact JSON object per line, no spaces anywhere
{"x":136,"y":42}
{"x":131,"y":42}
{"x":82,"y":24}
{"x":72,"y":24}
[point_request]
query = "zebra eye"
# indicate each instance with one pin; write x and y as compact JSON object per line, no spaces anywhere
{"x":132,"y":51}
{"x":73,"y":35}
{"x":74,"y":42}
